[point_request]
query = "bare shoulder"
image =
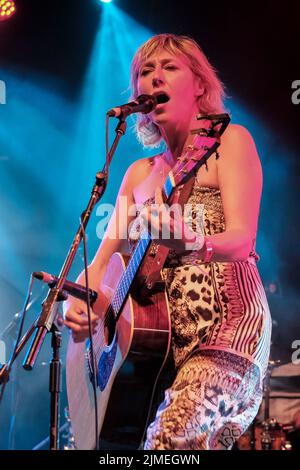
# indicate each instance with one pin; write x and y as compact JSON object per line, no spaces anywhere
{"x":239,"y":161}
{"x":237,"y":138}
{"x":139,"y":169}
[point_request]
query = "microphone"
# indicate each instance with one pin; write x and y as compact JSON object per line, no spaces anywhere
{"x":143,"y":104}
{"x":76,"y":290}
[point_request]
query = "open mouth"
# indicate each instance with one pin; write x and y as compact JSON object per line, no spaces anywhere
{"x":161,"y":97}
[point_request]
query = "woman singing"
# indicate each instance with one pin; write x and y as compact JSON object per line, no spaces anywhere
{"x":219,"y":313}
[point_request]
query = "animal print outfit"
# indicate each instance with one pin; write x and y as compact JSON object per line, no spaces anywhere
{"x":221,"y":330}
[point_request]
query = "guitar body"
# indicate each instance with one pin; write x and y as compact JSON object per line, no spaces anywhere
{"x":130,"y":354}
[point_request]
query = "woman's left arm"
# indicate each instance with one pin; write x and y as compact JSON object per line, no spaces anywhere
{"x":240,"y":182}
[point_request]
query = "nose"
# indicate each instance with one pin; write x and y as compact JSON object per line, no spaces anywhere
{"x":157,"y":78}
{"x":156,"y":82}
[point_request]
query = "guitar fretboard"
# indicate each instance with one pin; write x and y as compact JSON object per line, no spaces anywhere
{"x":136,"y":259}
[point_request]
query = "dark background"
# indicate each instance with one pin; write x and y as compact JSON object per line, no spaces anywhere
{"x":255,"y":47}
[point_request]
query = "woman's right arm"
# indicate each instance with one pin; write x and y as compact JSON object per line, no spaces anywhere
{"x":115,"y":239}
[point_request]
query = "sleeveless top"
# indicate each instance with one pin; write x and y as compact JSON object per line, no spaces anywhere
{"x":216,"y":306}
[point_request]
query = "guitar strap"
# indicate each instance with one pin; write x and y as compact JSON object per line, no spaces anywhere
{"x":150,"y":270}
{"x":152,"y":265}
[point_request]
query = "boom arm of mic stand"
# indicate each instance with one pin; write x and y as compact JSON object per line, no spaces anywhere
{"x":47,"y":317}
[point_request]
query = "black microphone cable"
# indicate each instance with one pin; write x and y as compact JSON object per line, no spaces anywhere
{"x":93,"y":361}
{"x":106,"y":145}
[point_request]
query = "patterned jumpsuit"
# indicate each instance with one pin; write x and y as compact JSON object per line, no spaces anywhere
{"x":221,"y":330}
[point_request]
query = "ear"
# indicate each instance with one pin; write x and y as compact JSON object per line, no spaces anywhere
{"x":199,"y":88}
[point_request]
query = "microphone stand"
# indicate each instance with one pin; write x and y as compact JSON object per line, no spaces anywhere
{"x":47,"y":321}
{"x":10,"y":334}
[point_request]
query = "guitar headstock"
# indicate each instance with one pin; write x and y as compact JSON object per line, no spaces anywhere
{"x":214,"y":124}
{"x":206,"y":141}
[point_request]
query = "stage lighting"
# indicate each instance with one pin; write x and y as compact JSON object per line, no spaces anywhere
{"x":7,"y":9}
{"x":105,"y":1}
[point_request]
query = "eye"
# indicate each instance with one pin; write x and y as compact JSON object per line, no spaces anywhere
{"x":145,"y":72}
{"x":171,"y":67}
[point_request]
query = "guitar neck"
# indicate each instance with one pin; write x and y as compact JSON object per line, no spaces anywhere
{"x":137,"y":258}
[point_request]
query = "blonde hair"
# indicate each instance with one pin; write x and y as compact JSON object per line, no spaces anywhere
{"x":210,"y":102}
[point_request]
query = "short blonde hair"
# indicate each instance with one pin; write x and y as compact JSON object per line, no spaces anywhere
{"x":209,"y":103}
